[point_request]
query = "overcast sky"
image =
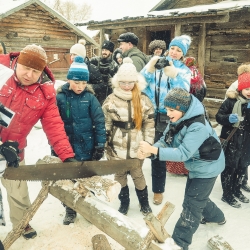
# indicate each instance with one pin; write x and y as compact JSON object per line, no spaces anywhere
{"x":114,"y":9}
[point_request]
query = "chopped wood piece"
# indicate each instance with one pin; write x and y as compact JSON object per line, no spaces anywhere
{"x":100,"y":242}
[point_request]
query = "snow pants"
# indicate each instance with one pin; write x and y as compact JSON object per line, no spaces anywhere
{"x":18,"y":198}
{"x":137,"y":176}
{"x":158,"y":170}
{"x":237,"y":160}
{"x":196,"y":205}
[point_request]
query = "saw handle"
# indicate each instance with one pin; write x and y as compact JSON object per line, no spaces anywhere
{"x":9,"y":150}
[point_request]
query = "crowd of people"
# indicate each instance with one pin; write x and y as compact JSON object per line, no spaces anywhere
{"x":124,"y":105}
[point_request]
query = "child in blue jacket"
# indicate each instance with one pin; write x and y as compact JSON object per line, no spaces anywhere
{"x":189,"y":138}
{"x":83,"y":118}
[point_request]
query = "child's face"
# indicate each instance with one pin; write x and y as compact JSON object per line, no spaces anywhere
{"x":127,"y":86}
{"x":174,"y":114}
{"x":246,"y":93}
{"x":175,"y":52}
{"x":77,"y":86}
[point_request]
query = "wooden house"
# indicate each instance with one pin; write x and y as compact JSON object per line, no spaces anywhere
{"x":220,"y":32}
{"x":32,"y":21}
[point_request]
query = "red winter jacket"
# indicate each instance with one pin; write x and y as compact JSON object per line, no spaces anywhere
{"x":31,"y":103}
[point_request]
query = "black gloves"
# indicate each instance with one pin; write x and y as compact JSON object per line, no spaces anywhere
{"x":70,"y":160}
{"x":98,"y":153}
{"x":9,"y":150}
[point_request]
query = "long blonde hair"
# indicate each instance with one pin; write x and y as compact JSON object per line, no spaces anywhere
{"x":136,"y":101}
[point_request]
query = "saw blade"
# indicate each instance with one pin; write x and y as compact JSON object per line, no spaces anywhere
{"x":69,"y":170}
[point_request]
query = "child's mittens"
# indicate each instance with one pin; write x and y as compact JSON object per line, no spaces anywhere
{"x":233,"y":118}
{"x":171,"y":71}
{"x":151,"y":64}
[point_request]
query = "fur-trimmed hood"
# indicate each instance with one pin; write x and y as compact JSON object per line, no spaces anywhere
{"x":232,"y":94}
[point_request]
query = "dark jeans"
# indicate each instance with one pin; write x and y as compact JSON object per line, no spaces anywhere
{"x":158,"y":170}
{"x":245,"y":179}
{"x":195,"y":205}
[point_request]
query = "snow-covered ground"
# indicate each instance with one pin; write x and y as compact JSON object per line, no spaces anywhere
{"x":52,"y":235}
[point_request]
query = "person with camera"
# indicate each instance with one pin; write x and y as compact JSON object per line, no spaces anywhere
{"x":163,"y":74}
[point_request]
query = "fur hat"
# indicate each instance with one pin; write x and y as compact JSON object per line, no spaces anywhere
{"x":78,"y":70}
{"x":128,"y":37}
{"x":33,"y":56}
{"x":243,"y":77}
{"x":157,"y":44}
{"x":108,"y":45}
{"x":79,"y":48}
{"x":179,"y":99}
{"x":127,"y":72}
{"x":2,"y":48}
{"x":183,"y":42}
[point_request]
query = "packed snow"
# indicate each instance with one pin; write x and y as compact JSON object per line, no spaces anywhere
{"x":53,"y":235}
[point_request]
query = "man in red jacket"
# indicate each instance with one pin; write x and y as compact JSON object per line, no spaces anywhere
{"x":30,"y":94}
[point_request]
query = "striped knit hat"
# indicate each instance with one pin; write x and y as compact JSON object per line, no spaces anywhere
{"x":78,"y":70}
{"x":179,"y":99}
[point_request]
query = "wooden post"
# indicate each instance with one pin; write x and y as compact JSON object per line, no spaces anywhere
{"x":163,"y":216}
{"x":101,"y":41}
{"x":202,"y":48}
{"x":177,"y":29}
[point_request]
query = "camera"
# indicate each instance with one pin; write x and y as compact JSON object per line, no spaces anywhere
{"x":162,"y":63}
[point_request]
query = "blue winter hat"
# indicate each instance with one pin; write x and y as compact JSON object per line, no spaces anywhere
{"x":183,"y":42}
{"x":179,"y":99}
{"x":78,"y":70}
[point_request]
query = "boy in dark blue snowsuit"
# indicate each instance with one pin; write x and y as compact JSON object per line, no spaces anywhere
{"x":83,"y":118}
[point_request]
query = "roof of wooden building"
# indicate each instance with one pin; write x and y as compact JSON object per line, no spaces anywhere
{"x":175,"y":15}
{"x":11,"y":7}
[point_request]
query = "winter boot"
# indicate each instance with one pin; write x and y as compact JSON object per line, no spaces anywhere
{"x":143,"y":200}
{"x":230,"y":200}
{"x":245,"y":187}
{"x":241,"y":197}
{"x":29,"y":232}
{"x":70,"y":216}
{"x":124,"y":198}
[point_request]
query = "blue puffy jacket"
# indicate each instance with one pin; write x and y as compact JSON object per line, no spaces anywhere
{"x":182,"y":80}
{"x":83,"y":121}
{"x":186,"y":144}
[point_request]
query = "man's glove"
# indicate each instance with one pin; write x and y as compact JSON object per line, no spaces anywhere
{"x":233,"y":118}
{"x":70,"y":160}
{"x":171,"y":71}
{"x":9,"y":150}
{"x":151,"y":64}
{"x":98,"y":153}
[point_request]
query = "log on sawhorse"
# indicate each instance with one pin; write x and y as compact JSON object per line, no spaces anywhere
{"x":126,"y":232}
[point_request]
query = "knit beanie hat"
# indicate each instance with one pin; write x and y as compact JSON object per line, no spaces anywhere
{"x":127,"y":71}
{"x":243,"y":77}
{"x":157,"y":44}
{"x":108,"y":45}
{"x":78,"y":70}
{"x":33,"y":56}
{"x":183,"y":42}
{"x":179,"y":99}
{"x":79,"y":48}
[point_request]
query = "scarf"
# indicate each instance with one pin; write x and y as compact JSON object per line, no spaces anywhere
{"x":125,"y":95}
{"x":237,"y":108}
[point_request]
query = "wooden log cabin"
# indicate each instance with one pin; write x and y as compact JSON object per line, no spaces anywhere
{"x":220,"y":32}
{"x":32,"y":21}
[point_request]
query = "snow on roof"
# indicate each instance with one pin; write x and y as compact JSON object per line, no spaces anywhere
{"x":198,"y":9}
{"x":225,"y":5}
